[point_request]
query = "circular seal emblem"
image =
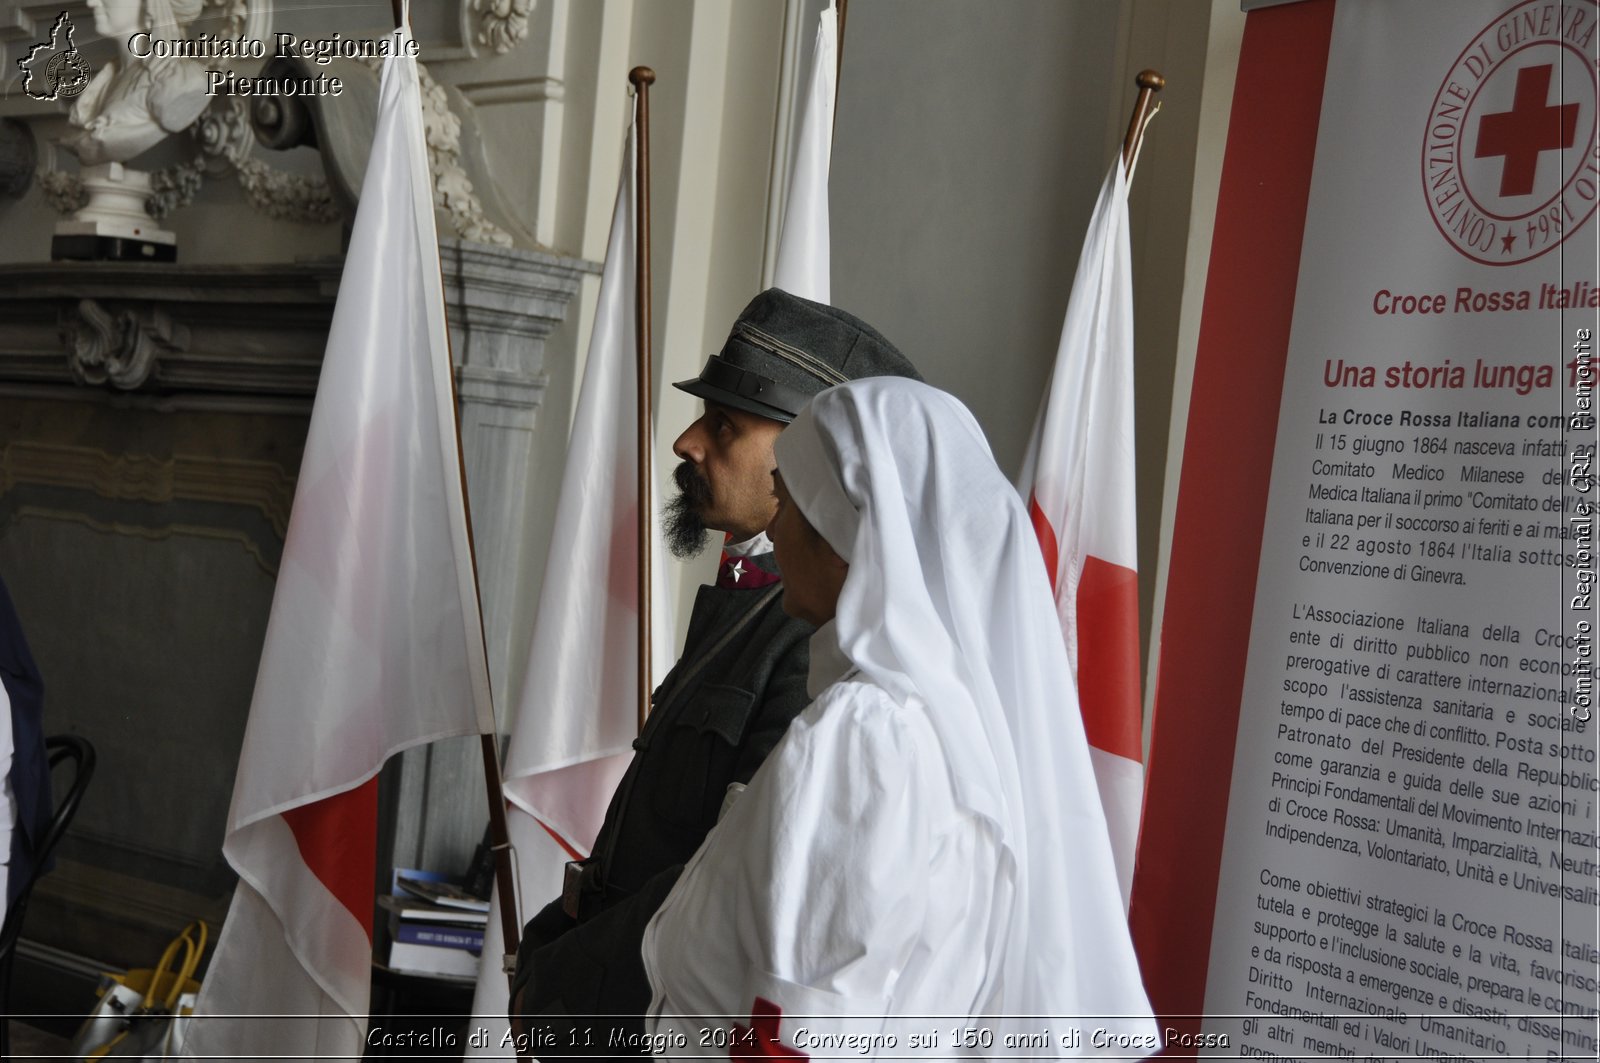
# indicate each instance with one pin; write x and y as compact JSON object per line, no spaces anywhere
{"x":1509,"y":159}
{"x":67,"y":74}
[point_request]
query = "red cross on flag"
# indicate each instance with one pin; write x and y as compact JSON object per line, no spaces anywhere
{"x":1078,"y":479}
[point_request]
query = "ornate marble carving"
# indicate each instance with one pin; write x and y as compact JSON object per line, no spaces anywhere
{"x":452,"y":187}
{"x":341,"y":130}
{"x":226,"y":138}
{"x":287,"y":196}
{"x":253,"y":335}
{"x":63,"y":191}
{"x":275,"y":193}
{"x":235,"y":13}
{"x":120,"y":348}
{"x":131,"y":105}
{"x":174,"y":187}
{"x":223,"y":133}
{"x":502,"y":24}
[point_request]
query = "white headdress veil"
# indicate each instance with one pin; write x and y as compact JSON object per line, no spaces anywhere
{"x":947,"y":601}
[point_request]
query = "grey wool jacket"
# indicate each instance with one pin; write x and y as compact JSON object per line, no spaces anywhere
{"x":713,"y":720}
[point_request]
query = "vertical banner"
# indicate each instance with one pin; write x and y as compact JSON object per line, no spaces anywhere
{"x":1370,"y":823}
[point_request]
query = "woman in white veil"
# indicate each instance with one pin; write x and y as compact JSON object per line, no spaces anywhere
{"x":926,"y":844}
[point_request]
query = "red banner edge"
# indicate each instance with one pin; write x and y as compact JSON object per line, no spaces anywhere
{"x":1222,"y":497}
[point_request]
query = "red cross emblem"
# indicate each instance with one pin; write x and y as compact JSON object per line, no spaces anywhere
{"x":1506,"y":184}
{"x":760,"y":1039}
{"x":1531,"y":126}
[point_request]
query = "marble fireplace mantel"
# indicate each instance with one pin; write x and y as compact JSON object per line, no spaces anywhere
{"x":151,"y":422}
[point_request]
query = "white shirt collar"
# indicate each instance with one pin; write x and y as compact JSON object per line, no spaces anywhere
{"x":757,"y":544}
{"x":828,"y":662}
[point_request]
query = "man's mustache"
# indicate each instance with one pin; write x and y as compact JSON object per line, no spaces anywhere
{"x":685,"y":531}
{"x":694,"y":487}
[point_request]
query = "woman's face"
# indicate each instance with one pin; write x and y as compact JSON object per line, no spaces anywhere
{"x":813,"y":575}
{"x":117,"y":18}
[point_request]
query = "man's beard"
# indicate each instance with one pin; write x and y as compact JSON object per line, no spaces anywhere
{"x":685,"y":531}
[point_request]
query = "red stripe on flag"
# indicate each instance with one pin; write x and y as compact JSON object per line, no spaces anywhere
{"x":338,"y":840}
{"x":571,"y":852}
{"x":1108,"y":657}
{"x":1222,"y":498}
{"x":1047,"y":537}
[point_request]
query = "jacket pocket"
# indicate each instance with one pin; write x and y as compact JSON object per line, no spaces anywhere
{"x":701,"y":750}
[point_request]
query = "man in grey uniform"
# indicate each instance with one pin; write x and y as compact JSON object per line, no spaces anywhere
{"x":729,"y":698}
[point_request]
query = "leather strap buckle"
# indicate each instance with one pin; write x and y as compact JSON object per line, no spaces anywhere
{"x":572,"y":888}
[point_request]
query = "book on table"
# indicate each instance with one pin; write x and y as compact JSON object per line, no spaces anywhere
{"x":413,"y":958}
{"x":445,"y":894}
{"x":449,"y":936}
{"x":435,"y":927}
{"x":410,"y":910}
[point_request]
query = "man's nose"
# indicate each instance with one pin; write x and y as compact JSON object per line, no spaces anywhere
{"x":689,"y":445}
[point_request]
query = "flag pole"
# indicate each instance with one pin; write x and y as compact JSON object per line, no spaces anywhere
{"x":1150,"y":82}
{"x":838,"y":49}
{"x":642,"y":77}
{"x":499,"y":832}
{"x":838,"y":62}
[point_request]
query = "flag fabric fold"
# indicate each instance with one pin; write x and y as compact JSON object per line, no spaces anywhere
{"x":1078,"y":477}
{"x":574,"y":724}
{"x":803,"y":266}
{"x":374,"y":643}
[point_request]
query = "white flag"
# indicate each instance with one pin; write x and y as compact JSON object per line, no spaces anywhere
{"x":374,"y":642}
{"x":803,"y":248}
{"x":574,"y":725}
{"x":1078,"y":479}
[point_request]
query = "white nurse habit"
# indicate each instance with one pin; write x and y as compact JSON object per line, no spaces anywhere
{"x":924,"y":853}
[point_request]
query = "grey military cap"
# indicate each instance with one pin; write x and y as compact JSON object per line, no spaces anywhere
{"x":784,"y":349}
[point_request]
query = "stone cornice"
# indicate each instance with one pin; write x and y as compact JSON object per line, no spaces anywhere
{"x":228,"y":330}
{"x":196,"y":334}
